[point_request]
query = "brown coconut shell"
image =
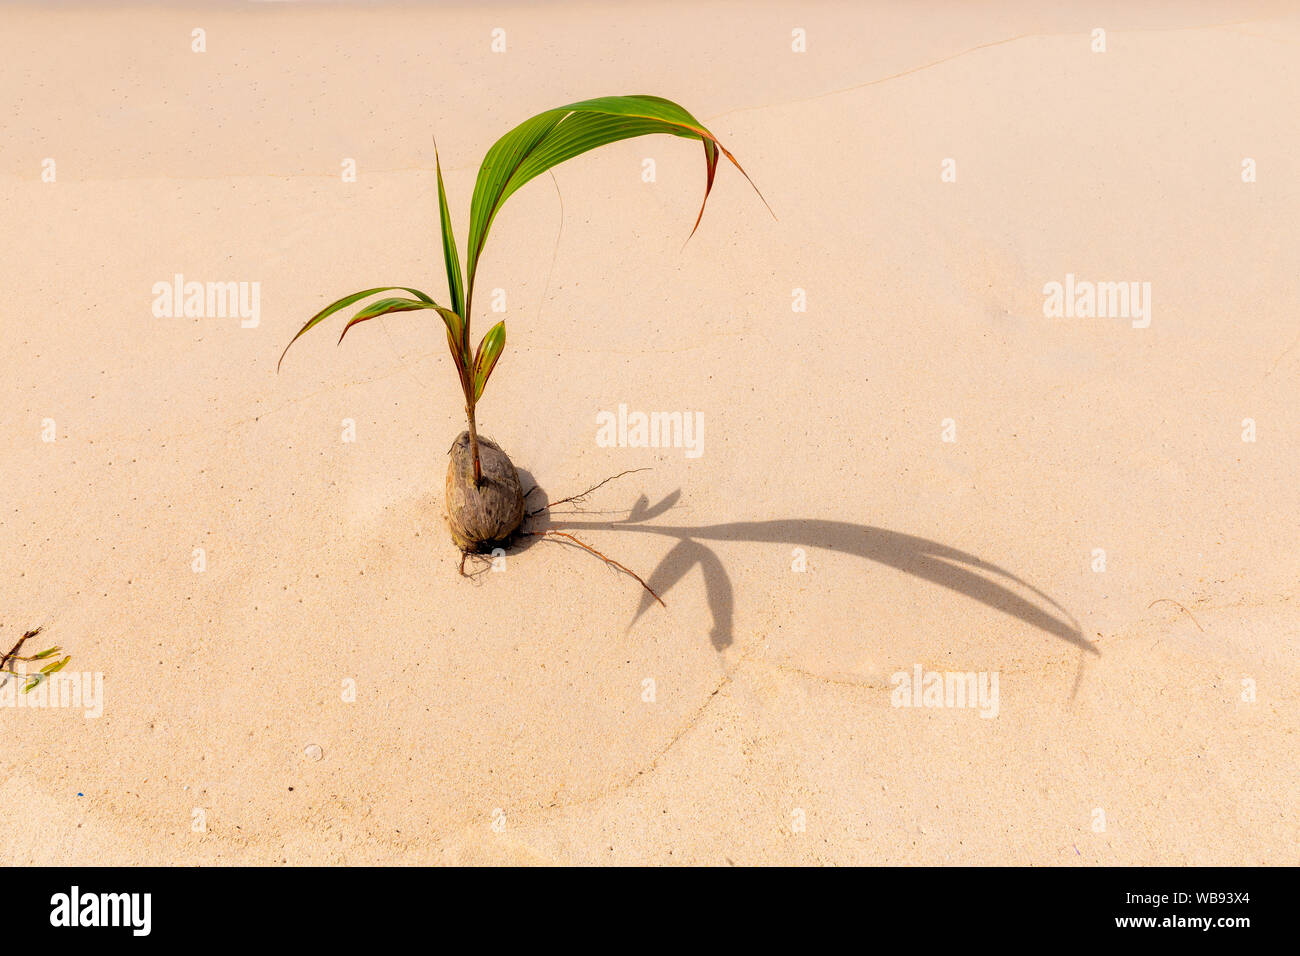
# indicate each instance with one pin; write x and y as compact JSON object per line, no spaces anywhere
{"x":487,"y":515}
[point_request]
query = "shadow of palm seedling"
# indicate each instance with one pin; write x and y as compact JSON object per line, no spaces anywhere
{"x":931,"y":561}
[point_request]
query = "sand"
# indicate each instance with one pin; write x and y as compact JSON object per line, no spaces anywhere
{"x":328,"y":689}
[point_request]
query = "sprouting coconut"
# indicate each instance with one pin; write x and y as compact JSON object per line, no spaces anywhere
{"x":486,"y":512}
{"x":485,"y":504}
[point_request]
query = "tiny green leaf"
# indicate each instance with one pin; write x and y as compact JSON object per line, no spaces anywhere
{"x":50,"y":652}
{"x":32,"y":682}
{"x":56,"y":666}
{"x":489,"y":351}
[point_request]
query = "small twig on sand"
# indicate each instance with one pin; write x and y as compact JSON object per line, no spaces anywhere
{"x":583,"y":494}
{"x":13,"y":651}
{"x":587,"y":547}
{"x":1180,"y":607}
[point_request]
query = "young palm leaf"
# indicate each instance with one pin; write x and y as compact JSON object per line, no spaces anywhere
{"x":455,"y":284}
{"x":388,"y":306}
{"x":549,"y":138}
{"x":343,"y":303}
{"x":489,"y":350}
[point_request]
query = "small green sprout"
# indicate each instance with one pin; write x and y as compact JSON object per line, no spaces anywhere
{"x":31,"y":681}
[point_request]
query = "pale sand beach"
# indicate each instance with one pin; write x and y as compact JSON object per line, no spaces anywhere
{"x":904,"y":466}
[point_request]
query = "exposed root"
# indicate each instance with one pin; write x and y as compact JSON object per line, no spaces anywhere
{"x":589,"y":548}
{"x":582,"y":494}
{"x":480,"y":564}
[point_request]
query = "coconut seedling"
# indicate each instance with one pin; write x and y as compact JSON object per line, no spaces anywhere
{"x":485,"y":503}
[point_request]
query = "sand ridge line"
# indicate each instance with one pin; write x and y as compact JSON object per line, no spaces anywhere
{"x":884,"y":684}
{"x":225,"y":177}
{"x":955,"y":56}
{"x":649,"y":768}
{"x":698,"y":715}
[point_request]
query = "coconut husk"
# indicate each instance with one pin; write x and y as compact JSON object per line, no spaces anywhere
{"x":487,"y":515}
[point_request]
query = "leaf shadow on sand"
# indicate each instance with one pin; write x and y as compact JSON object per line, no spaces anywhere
{"x":931,"y":561}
